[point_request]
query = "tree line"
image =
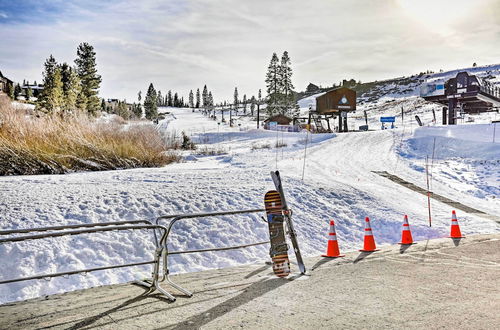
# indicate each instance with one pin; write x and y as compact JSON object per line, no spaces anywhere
{"x":155,"y":99}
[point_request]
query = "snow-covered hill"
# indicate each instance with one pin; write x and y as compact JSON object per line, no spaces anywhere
{"x":230,"y":170}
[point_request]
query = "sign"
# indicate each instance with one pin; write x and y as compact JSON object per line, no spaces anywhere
{"x":387,"y":119}
{"x":343,"y":114}
{"x":273,"y":125}
{"x":344,"y":106}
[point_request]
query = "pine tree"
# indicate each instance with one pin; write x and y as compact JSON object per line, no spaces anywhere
{"x":252,"y":105}
{"x":17,"y":91}
{"x":273,"y":85}
{"x":210,"y":100}
{"x":71,"y":87}
{"x":235,"y":100}
{"x":198,"y":98}
{"x":191,"y":99}
{"x":137,"y":109}
{"x":90,"y":80}
{"x":169,"y":101}
{"x":51,"y":99}
{"x":288,"y":104}
{"x":205,"y":97}
{"x":176,"y":100}
{"x":103,"y":105}
{"x":244,"y":101}
{"x":139,"y":96}
{"x":10,"y":90}
{"x":29,"y":93}
{"x":159,"y":99}
{"x":150,"y":105}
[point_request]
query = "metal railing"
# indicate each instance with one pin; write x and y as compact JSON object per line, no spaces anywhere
{"x":58,"y":231}
{"x":161,"y":252}
{"x":177,"y":217}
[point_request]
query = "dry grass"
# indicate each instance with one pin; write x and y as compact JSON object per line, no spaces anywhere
{"x":51,"y":144}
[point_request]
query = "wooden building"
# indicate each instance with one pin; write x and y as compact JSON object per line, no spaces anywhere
{"x":5,"y":83}
{"x":337,"y":102}
{"x":278,"y":119}
{"x":465,"y":94}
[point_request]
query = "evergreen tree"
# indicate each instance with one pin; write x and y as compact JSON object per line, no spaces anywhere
{"x":90,"y":80}
{"x":137,"y":109}
{"x":150,"y":105}
{"x":191,"y":99}
{"x":176,"y":100}
{"x":205,"y":97}
{"x":159,"y":99}
{"x":210,"y":100}
{"x":17,"y":91}
{"x":252,"y":105}
{"x":198,"y":98}
{"x":244,"y":101}
{"x":29,"y":93}
{"x":71,"y":87}
{"x":289,"y":106}
{"x":273,"y":85}
{"x":170,"y":101}
{"x":139,"y":97}
{"x":10,"y":90}
{"x":103,"y":105}
{"x":235,"y":101}
{"x":52,"y":97}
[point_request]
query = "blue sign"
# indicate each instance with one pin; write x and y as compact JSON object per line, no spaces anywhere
{"x":387,"y":119}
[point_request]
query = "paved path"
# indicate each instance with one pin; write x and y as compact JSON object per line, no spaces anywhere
{"x":433,"y":284}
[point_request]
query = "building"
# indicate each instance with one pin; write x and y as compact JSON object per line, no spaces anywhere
{"x":463,"y":94}
{"x":337,"y":102}
{"x":5,"y":83}
{"x":273,"y":122}
{"x":312,"y":89}
{"x":36,"y":89}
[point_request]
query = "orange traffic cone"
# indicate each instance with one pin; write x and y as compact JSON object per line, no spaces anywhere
{"x":455,"y":228}
{"x":406,"y":238}
{"x":369,"y":244}
{"x":332,"y":250}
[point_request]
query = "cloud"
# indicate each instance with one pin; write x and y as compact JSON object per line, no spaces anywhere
{"x":3,"y":15}
{"x":183,"y":45}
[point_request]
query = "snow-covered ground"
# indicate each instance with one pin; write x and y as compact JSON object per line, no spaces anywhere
{"x":338,"y":184}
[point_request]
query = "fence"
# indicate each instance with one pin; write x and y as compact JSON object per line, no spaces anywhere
{"x":160,"y":255}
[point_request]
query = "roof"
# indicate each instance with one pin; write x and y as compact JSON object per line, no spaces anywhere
{"x":2,"y":76}
{"x":279,"y":118}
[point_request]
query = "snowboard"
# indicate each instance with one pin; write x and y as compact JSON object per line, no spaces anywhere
{"x":275,"y":221}
{"x":275,"y":175}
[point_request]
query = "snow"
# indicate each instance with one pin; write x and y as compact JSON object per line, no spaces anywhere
{"x":230,"y":171}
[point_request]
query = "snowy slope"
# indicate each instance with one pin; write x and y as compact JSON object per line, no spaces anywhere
{"x":338,"y":184}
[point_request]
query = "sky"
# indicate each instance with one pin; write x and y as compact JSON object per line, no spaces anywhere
{"x":183,"y":45}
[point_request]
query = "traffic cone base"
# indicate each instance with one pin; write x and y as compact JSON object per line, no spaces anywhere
{"x":332,"y":249}
{"x":327,"y":256}
{"x":369,"y":241}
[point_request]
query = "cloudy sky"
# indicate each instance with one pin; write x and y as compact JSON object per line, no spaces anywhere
{"x":182,"y":45}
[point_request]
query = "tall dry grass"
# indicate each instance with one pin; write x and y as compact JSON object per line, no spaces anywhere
{"x":31,"y":144}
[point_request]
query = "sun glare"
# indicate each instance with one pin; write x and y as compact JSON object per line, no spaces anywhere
{"x":438,"y":15}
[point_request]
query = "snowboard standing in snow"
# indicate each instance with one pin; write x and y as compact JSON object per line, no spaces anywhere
{"x":288,"y":217}
{"x":275,"y":221}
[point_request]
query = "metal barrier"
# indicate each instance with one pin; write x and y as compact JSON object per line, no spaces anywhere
{"x":177,"y":217}
{"x":161,"y":252}
{"x":152,"y":284}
